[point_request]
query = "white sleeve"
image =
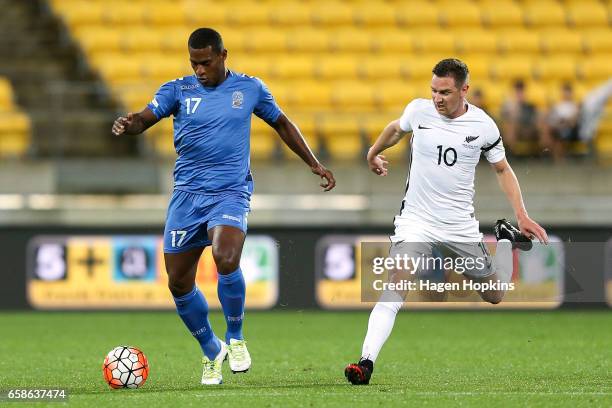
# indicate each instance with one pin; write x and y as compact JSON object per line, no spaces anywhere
{"x":405,"y":121}
{"x":493,"y":149}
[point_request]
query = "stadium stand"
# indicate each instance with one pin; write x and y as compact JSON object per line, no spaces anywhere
{"x":340,"y":66}
{"x":15,"y":125}
{"x":64,"y":110}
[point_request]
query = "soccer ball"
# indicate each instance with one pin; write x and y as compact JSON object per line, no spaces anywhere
{"x":125,"y":367}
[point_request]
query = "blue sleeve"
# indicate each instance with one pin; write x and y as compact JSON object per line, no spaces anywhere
{"x":164,"y":102}
{"x":266,"y":107}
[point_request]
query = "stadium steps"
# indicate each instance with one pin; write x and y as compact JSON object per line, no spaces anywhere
{"x":59,"y":93}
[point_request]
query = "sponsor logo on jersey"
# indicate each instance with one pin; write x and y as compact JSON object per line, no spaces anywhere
{"x":190,"y":86}
{"x":470,"y":139}
{"x":423,"y":127}
{"x":237,"y":100}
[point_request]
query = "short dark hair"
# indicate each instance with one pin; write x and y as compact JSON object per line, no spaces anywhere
{"x":452,"y":67}
{"x":206,"y":37}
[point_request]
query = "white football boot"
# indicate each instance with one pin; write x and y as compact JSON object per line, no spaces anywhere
{"x":238,"y":355}
{"x":212,"y":375}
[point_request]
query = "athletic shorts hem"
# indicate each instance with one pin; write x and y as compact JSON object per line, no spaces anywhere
{"x":187,"y":247}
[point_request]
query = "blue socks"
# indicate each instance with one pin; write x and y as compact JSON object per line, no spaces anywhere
{"x":193,"y":310}
{"x":231,"y":290}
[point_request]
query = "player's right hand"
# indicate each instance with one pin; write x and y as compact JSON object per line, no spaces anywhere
{"x":378,"y":165}
{"x":122,"y":123}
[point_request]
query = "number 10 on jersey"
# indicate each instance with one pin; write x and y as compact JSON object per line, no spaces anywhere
{"x":449,"y":156}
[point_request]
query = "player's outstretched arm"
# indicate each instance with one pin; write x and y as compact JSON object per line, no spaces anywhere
{"x":510,"y":186}
{"x":134,"y":123}
{"x":391,"y":134}
{"x":291,"y":135}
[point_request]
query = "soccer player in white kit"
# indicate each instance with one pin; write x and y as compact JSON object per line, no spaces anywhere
{"x":448,"y":137}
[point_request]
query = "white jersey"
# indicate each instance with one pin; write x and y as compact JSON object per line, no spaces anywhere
{"x":443,"y":159}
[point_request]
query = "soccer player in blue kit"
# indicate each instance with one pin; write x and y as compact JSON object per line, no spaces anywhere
{"x":212,"y":187}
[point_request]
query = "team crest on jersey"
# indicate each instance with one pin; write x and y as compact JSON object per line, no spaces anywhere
{"x":470,"y":139}
{"x":237,"y":100}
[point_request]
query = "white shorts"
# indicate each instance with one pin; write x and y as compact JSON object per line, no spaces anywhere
{"x":415,"y":240}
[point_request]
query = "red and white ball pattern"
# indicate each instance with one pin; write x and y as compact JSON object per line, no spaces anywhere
{"x":125,"y":367}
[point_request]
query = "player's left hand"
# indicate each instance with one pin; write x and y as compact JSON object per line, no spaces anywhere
{"x":325,"y":174}
{"x":531,"y":229}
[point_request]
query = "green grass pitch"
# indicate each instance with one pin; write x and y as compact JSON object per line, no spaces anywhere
{"x":522,"y":359}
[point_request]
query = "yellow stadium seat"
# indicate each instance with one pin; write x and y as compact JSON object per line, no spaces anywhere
{"x":544,"y":13}
{"x":341,"y":67}
{"x":598,"y":40}
{"x":374,"y":14}
{"x":295,"y":67}
{"x":245,"y":14}
{"x":174,"y":39}
{"x":352,"y":96}
{"x":476,"y":41}
{"x":373,"y":125}
{"x":556,"y":68}
{"x":459,"y":14}
{"x":478,"y":65}
{"x":14,"y":134}
{"x":265,"y":40}
{"x":117,"y":68}
{"x":537,"y":94}
{"x":587,"y":14}
{"x":417,"y":14}
{"x":141,"y":38}
{"x":262,"y":146}
{"x":6,"y":95}
{"x":420,"y":67}
{"x":514,"y":41}
{"x":561,"y":40}
{"x":512,"y":67}
{"x":260,"y":67}
{"x":81,"y":14}
{"x":308,"y":40}
{"x":307,"y":125}
{"x":434,"y":41}
{"x":341,"y":135}
{"x":128,"y":13}
{"x":596,"y":68}
{"x":263,"y":140}
{"x":332,"y":13}
{"x":280,"y":91}
{"x":162,"y":14}
{"x":392,"y":41}
{"x":502,"y":14}
{"x":493,"y":93}
{"x":162,"y":137}
{"x":99,"y":40}
{"x":384,"y":67}
{"x":165,"y":68}
{"x":212,"y":15}
{"x":393,"y":95}
{"x":234,"y":40}
{"x":135,"y":98}
{"x":310,"y":95}
{"x":291,"y":14}
{"x":351,"y":40}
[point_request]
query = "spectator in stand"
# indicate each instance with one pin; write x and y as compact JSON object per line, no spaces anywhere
{"x":561,"y":125}
{"x":519,"y":119}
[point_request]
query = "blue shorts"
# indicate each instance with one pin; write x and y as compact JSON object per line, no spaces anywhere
{"x":191,"y":215}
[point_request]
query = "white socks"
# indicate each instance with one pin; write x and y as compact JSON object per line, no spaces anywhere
{"x":379,"y":327}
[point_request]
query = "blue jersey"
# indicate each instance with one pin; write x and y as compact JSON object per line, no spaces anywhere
{"x":212,"y":128}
